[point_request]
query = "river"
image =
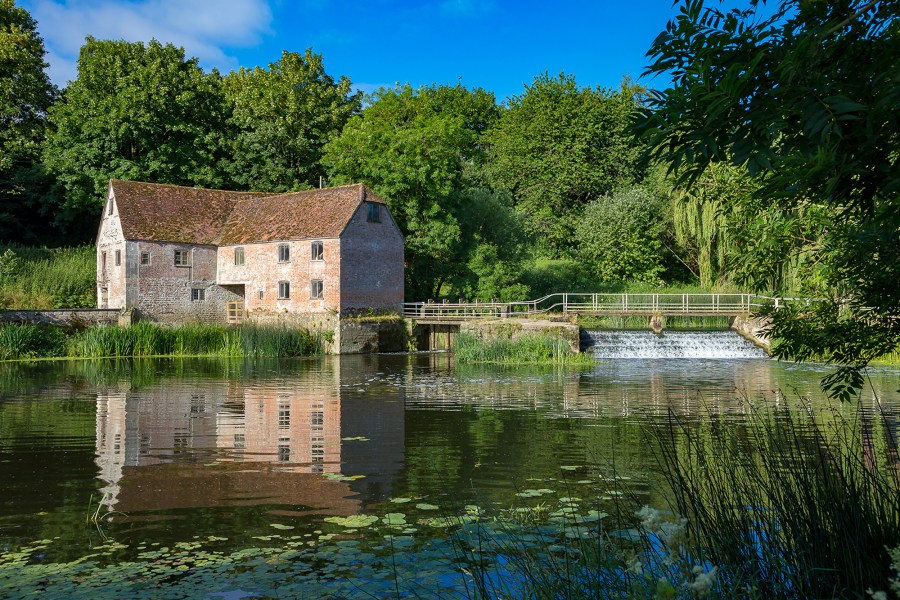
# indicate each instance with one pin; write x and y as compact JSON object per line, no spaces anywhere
{"x":118,"y":465}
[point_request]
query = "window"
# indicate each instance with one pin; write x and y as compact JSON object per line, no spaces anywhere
{"x":284,"y":253}
{"x":374,"y":213}
{"x":118,"y":257}
{"x":239,"y":257}
{"x":318,"y":251}
{"x":284,"y":414}
{"x":284,"y":290}
{"x":260,"y":294}
{"x":109,"y":210}
{"x":316,"y":288}
{"x":182,"y":258}
{"x":198,"y":294}
{"x":145,"y":258}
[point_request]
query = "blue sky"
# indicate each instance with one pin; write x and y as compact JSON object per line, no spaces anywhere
{"x":496,"y":44}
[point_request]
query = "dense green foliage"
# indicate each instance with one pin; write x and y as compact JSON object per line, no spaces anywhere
{"x":422,"y":150}
{"x":559,"y":146}
{"x":47,"y":277}
{"x":525,"y":350}
{"x":281,"y":117}
{"x":25,"y":96}
{"x":805,"y":99}
{"x":22,"y":341}
{"x":135,"y":111}
{"x":619,"y":236}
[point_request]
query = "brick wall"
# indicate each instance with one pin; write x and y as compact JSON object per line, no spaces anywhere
{"x":262,"y":271}
{"x":372,"y":264}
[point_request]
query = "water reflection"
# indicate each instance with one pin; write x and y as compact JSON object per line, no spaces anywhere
{"x":299,"y":440}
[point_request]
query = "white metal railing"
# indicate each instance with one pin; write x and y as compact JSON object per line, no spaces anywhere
{"x":611,"y":304}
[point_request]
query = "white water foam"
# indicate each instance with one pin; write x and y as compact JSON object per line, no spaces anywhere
{"x":671,"y":344}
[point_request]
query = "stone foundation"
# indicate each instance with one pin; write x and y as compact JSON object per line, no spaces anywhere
{"x":65,"y":317}
{"x":753,"y":329}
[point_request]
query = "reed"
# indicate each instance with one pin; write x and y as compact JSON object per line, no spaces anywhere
{"x":790,"y":507}
{"x":528,"y":349}
{"x":23,"y":340}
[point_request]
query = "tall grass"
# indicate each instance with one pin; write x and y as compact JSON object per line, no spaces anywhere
{"x":789,"y":507}
{"x":18,"y":341}
{"x":528,"y":349}
{"x":150,"y":339}
{"x":47,"y":277}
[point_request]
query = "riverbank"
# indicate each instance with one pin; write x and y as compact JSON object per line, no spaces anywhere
{"x":23,"y":341}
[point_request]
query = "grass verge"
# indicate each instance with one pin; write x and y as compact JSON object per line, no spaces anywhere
{"x":526,"y":350}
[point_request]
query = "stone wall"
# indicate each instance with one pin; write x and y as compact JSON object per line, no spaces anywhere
{"x":64,"y":317}
{"x":111,"y":291}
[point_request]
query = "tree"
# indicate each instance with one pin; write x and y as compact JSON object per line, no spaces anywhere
{"x":25,"y":95}
{"x":421,"y":151}
{"x":559,"y":146}
{"x":619,"y":236}
{"x":806,"y":100}
{"x":135,"y":111}
{"x":283,"y":117}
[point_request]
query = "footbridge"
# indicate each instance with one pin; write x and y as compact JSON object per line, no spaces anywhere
{"x":644,"y":304}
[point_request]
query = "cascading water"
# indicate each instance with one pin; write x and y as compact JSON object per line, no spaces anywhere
{"x":670,"y":344}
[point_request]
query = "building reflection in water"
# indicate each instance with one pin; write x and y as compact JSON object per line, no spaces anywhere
{"x":296,"y":442}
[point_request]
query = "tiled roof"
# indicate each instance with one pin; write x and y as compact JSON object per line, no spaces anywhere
{"x":173,"y":213}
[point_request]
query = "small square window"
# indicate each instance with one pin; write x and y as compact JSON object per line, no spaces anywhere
{"x":198,"y":294}
{"x":145,"y":258}
{"x":182,"y":258}
{"x":284,"y":290}
{"x":284,"y":253}
{"x":238,"y":257}
{"x":374,"y":213}
{"x":317,"y":251}
{"x":118,"y":257}
{"x":316,"y":288}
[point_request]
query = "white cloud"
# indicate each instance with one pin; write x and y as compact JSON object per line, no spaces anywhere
{"x":205,"y":28}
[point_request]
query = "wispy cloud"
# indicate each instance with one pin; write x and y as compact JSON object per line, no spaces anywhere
{"x":205,"y":29}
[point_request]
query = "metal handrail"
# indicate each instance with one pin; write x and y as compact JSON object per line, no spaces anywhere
{"x":598,"y":303}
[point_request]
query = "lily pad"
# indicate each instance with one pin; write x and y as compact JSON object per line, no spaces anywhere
{"x":394,"y":519}
{"x":426,"y":506}
{"x":280,"y":526}
{"x":353,"y":521}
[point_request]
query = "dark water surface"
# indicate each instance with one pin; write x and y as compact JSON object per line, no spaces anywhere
{"x":123,"y":463}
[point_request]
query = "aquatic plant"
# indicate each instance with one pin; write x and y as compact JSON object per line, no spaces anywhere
{"x":789,"y":507}
{"x":24,"y":340}
{"x":528,"y":349}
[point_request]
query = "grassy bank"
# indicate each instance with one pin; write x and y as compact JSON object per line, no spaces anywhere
{"x":47,"y":277}
{"x":526,"y":350}
{"x":25,"y":341}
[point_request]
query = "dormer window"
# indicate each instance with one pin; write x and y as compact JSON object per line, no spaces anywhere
{"x":374,"y":215}
{"x":317,"y":251}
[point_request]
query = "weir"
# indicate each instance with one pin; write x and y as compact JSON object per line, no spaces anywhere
{"x":671,"y":344}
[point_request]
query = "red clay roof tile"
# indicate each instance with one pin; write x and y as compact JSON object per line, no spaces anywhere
{"x":172,"y":213}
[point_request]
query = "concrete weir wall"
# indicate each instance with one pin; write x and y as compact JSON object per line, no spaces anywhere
{"x":754,"y":329}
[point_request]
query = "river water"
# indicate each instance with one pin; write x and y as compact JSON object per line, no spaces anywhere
{"x":123,"y":465}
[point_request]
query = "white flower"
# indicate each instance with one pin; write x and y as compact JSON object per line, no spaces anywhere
{"x":704,"y":581}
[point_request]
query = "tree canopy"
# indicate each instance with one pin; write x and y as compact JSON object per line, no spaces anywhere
{"x":135,"y":111}
{"x":282,"y":117}
{"x":557,"y":147}
{"x":806,"y":100}
{"x":25,"y":95}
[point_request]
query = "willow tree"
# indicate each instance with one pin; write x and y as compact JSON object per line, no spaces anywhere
{"x":804,"y":96}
